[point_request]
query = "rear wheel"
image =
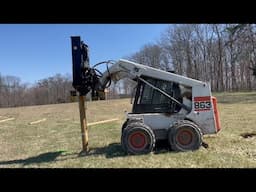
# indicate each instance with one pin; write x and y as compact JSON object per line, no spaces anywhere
{"x":185,"y":136}
{"x":138,"y":138}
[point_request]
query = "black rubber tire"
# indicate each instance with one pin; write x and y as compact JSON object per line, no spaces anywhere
{"x":138,"y":138}
{"x":185,"y":136}
{"x":129,"y":121}
{"x":124,"y":126}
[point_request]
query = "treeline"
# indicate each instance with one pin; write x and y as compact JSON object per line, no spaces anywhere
{"x":222,"y":54}
{"x":50,"y":90}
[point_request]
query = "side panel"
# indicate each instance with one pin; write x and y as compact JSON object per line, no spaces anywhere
{"x":202,"y":112}
{"x":158,"y":122}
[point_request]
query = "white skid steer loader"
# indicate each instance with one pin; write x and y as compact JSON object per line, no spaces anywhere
{"x":166,"y":106}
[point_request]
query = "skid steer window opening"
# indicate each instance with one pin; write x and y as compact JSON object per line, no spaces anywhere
{"x":149,"y":100}
{"x":147,"y":93}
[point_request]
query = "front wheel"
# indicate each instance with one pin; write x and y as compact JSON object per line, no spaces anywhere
{"x":138,"y":138}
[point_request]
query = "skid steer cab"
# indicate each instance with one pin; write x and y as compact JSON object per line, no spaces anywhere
{"x":166,"y":106}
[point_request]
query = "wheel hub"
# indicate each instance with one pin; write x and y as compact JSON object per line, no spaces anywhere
{"x":137,"y":140}
{"x":185,"y":137}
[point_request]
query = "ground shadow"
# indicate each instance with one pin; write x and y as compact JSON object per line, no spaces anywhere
{"x":162,"y":146}
{"x":115,"y":150}
{"x":111,"y":151}
{"x":42,"y":158}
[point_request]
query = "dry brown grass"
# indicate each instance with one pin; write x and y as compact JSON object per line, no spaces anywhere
{"x":56,"y":142}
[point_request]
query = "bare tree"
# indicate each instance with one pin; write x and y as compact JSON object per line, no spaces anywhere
{"x":54,"y":89}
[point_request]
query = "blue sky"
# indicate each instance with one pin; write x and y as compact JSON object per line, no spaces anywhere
{"x":36,"y":51}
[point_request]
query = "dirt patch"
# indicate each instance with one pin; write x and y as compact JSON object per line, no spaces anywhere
{"x":205,"y":145}
{"x":248,"y":135}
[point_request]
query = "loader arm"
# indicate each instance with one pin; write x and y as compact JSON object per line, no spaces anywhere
{"x":128,"y":69}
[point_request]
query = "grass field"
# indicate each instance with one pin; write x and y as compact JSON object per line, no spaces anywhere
{"x":56,"y":141}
